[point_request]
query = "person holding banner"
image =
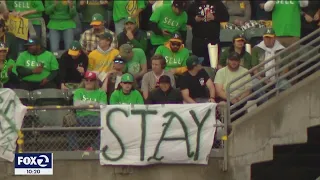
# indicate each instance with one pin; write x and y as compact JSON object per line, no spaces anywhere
{"x":165,"y":93}
{"x":27,"y":9}
{"x":9,"y":40}
{"x":195,"y":81}
{"x":8,"y":73}
{"x":238,"y":46}
{"x":61,"y":23}
{"x":88,"y":93}
{"x":125,"y":93}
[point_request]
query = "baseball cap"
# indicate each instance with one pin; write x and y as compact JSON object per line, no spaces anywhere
{"x":180,"y":4}
{"x":239,"y":37}
{"x":234,"y":56}
{"x":119,"y":60}
{"x":97,"y":19}
{"x":125,"y":50}
{"x":90,"y":75}
{"x":165,"y":79}
{"x":3,"y":46}
{"x":193,"y":60}
{"x":106,"y":36}
{"x":127,"y":78}
{"x":176,"y":37}
{"x":269,"y":33}
{"x":74,"y":49}
{"x":33,"y":41}
{"x":130,"y":19}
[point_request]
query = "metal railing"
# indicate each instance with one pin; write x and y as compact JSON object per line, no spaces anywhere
{"x":37,"y":136}
{"x":291,"y":65}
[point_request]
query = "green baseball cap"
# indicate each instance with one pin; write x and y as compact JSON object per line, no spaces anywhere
{"x":75,"y":48}
{"x":193,"y":60}
{"x":106,"y":36}
{"x":269,"y":33}
{"x":130,"y":19}
{"x":127,"y":78}
{"x":239,"y":37}
{"x":97,"y":19}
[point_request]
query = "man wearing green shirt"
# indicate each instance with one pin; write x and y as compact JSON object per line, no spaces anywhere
{"x":123,"y":9}
{"x":136,"y":62}
{"x":132,"y":35}
{"x":61,"y":23}
{"x":166,"y":20}
{"x":27,"y":9}
{"x":126,"y":94}
{"x":175,"y":53}
{"x":8,"y":73}
{"x":286,"y":19}
{"x":37,"y":67}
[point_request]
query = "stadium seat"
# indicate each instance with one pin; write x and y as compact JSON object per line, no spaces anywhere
{"x":211,"y":72}
{"x":44,"y":97}
{"x":226,"y":36}
{"x":23,"y":95}
{"x":51,"y":117}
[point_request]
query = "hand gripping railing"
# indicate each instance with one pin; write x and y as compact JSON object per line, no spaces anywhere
{"x":277,"y":74}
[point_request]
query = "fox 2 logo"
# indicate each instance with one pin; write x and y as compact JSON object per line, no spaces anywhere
{"x":33,"y":160}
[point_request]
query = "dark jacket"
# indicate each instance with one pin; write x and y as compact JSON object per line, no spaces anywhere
{"x":68,"y":68}
{"x":157,"y":96}
{"x":211,"y":29}
{"x":139,"y":41}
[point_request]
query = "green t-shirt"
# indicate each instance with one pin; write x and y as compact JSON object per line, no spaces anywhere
{"x":122,"y":8}
{"x":133,"y":66}
{"x":30,"y":61}
{"x":118,"y":97}
{"x":174,"y":60}
{"x":286,"y":18}
{"x":4,"y":78}
{"x":245,"y":61}
{"x":93,"y":7}
{"x":61,"y":16}
{"x":21,"y":6}
{"x":167,"y":20}
{"x":87,"y":96}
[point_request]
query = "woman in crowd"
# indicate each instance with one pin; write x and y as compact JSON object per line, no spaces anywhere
{"x":125,"y":93}
{"x":8,"y":73}
{"x":61,"y":24}
{"x":89,"y":93}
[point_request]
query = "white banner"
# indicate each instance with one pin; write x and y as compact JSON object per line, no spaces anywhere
{"x":11,"y":117}
{"x":143,"y":135}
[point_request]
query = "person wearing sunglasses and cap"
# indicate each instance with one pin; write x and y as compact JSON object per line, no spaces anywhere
{"x":195,"y":81}
{"x":166,"y":20}
{"x":8,"y":73}
{"x":9,"y":40}
{"x":238,"y":46}
{"x":37,"y":67}
{"x":114,"y":76}
{"x":73,"y":64}
{"x":88,"y":93}
{"x":175,"y":53}
{"x":125,"y":93}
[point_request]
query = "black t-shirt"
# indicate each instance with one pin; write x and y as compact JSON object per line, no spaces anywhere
{"x":196,"y":84}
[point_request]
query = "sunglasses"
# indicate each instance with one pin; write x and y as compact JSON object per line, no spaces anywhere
{"x":90,"y":80}
{"x":175,"y":44}
{"x":118,"y":62}
{"x":127,"y":82}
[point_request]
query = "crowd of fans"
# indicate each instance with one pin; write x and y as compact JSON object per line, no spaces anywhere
{"x":111,"y":67}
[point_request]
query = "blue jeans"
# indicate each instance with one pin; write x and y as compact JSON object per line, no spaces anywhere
{"x":85,"y":121}
{"x":22,"y":42}
{"x":55,"y":37}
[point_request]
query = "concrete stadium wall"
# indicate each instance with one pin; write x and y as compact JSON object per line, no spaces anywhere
{"x":282,"y":120}
{"x":91,"y":169}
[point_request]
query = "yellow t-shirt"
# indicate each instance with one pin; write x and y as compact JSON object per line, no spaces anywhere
{"x":99,"y":62}
{"x":225,"y":76}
